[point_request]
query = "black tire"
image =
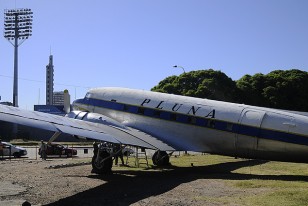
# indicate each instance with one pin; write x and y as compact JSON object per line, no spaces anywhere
{"x":161,"y":158}
{"x":104,"y":167}
{"x":16,"y":155}
{"x":69,"y":154}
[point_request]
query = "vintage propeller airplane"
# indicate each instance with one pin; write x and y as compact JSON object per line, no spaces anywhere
{"x":166,"y":122}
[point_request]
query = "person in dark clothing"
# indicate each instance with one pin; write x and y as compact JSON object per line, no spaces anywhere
{"x":1,"y":148}
{"x":95,"y":148}
{"x":43,"y":148}
{"x":119,"y":154}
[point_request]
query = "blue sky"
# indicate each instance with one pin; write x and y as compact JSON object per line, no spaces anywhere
{"x":130,"y":43}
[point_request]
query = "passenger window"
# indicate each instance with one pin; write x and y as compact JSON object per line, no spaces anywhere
{"x":140,"y":110}
{"x":211,"y":123}
{"x":126,"y":107}
{"x":157,"y":113}
{"x":192,"y":120}
{"x":229,"y":126}
{"x":172,"y":117}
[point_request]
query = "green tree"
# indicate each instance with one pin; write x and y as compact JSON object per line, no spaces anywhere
{"x":203,"y":83}
{"x":250,"y":89}
{"x":287,"y":89}
{"x":278,"y":89}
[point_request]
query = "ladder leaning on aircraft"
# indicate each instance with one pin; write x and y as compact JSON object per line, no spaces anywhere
{"x":166,"y":123}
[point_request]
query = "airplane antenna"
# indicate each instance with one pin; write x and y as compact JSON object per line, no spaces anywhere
{"x":39,"y":96}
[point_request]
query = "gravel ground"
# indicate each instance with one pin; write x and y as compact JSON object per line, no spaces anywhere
{"x":58,"y":182}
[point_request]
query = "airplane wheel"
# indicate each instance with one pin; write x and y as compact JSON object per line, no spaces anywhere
{"x":16,"y":155}
{"x":102,"y":167}
{"x":161,"y":158}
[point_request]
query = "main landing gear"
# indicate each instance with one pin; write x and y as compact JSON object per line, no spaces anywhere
{"x":102,"y":158}
{"x":103,"y":153}
{"x":161,"y":158}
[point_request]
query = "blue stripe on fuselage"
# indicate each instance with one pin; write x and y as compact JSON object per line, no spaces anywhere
{"x":198,"y":121}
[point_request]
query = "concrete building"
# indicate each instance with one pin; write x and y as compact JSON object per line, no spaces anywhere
{"x":61,"y":98}
{"x":56,"y":102}
{"x":61,"y":104}
{"x":49,"y":81}
{"x":58,"y":98}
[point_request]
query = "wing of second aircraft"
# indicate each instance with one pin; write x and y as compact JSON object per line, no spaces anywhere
{"x":95,"y":131}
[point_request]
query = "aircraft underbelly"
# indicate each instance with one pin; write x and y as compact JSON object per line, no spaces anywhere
{"x":282,"y":151}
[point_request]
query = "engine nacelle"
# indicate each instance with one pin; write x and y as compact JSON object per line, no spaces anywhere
{"x":94,"y":117}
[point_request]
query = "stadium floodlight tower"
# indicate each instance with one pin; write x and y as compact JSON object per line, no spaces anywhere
{"x":17,"y":28}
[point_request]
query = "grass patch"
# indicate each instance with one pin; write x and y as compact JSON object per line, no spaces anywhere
{"x":263,"y":183}
{"x":280,"y":197}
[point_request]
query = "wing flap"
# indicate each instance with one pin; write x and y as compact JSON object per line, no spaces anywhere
{"x":87,"y":133}
{"x":151,"y":140}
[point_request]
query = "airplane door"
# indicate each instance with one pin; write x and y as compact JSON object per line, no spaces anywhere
{"x":246,"y":141}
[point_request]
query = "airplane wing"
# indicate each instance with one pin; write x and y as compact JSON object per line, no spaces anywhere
{"x":95,"y":131}
{"x":295,"y":112}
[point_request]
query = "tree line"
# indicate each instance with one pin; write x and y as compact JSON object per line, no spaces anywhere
{"x":281,"y":89}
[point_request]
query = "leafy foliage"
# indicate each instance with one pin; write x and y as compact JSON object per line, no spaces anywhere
{"x":203,"y":83}
{"x":278,"y":89}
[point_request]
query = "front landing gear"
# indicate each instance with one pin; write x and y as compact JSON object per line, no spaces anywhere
{"x":161,"y":158}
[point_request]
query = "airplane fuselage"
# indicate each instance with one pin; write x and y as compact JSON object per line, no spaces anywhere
{"x":194,"y":124}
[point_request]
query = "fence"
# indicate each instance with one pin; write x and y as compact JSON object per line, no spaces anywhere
{"x":33,"y":153}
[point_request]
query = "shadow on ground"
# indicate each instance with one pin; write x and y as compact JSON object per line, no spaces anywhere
{"x":127,"y":187}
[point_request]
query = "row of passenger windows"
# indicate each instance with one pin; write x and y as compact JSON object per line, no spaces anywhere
{"x":171,"y":116}
{"x":199,"y":121}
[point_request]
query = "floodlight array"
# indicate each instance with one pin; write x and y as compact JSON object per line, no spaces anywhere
{"x":17,"y":23}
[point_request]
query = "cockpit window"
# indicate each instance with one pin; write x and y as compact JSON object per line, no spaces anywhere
{"x":88,"y":95}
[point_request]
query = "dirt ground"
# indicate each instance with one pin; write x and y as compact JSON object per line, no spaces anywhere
{"x":59,"y":182}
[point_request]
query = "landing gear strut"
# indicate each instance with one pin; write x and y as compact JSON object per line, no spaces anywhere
{"x":102,"y":160}
{"x":161,"y":158}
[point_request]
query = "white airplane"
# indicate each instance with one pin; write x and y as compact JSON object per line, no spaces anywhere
{"x":167,"y":122}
